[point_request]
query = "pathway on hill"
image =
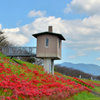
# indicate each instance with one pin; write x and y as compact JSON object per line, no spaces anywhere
{"x":95,"y":93}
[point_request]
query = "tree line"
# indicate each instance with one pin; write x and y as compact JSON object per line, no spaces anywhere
{"x":74,"y":72}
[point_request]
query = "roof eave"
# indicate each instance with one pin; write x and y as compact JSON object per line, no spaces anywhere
{"x":59,"y":35}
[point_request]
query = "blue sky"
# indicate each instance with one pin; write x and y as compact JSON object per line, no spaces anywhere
{"x":77,"y":20}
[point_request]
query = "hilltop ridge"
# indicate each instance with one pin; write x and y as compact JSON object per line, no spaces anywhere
{"x":87,"y":68}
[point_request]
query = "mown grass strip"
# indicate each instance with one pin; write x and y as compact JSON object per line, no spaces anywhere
{"x":86,"y":96}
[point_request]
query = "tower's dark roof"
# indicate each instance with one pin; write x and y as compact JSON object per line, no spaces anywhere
{"x":57,"y":34}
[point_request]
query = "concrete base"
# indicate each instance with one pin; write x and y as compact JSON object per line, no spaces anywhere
{"x":49,"y":65}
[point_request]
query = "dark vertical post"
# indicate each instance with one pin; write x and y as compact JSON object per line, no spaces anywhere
{"x":50,"y":29}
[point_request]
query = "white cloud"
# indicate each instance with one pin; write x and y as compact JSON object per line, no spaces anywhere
{"x":11,"y":30}
{"x":40,"y":25}
{"x":91,"y":7}
{"x":71,"y":57}
{"x":98,"y":58}
{"x":14,"y":37}
{"x":34,"y":13}
{"x":80,"y":53}
{"x":83,"y":34}
{"x":80,"y":35}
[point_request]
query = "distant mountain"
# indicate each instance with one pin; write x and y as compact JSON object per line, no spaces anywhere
{"x":87,"y":68}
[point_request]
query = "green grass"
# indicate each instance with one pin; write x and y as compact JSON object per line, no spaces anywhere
{"x":96,"y":81}
{"x":86,"y":96}
{"x":23,"y":62}
{"x":29,"y":65}
{"x":97,"y":89}
{"x":3,"y":56}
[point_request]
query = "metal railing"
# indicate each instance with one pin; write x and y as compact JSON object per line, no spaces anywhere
{"x":19,"y":51}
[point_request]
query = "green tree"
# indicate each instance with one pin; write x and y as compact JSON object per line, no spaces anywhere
{"x":31,"y":60}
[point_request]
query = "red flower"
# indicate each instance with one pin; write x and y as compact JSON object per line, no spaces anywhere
{"x":8,"y":98}
{"x":5,"y":90}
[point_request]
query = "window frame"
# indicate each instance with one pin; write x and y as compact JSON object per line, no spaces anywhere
{"x":59,"y":43}
{"x":46,"y":42}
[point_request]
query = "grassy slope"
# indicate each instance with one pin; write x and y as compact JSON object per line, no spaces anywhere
{"x":96,"y":84}
{"x":82,"y":96}
{"x":85,"y":96}
{"x":8,"y":62}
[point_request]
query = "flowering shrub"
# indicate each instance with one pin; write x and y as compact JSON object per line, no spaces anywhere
{"x":84,"y":83}
{"x":92,"y":83}
{"x":18,"y":82}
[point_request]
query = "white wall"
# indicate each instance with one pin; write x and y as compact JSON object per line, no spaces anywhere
{"x":49,"y":65}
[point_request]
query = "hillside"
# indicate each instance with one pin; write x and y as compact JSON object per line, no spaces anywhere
{"x":25,"y":81}
{"x":87,"y":68}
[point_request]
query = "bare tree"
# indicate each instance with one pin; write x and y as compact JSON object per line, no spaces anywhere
{"x":38,"y":61}
{"x":3,"y":40}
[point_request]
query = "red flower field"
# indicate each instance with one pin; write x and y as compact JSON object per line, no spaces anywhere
{"x":20,"y":82}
